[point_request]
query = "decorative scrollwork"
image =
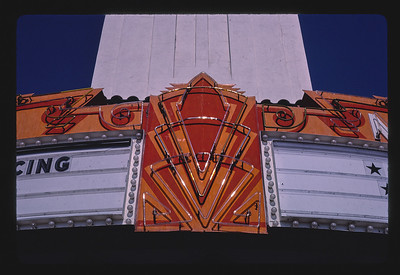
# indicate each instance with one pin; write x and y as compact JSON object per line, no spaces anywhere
{"x":121,"y":115}
{"x":284,"y":117}
{"x":22,"y":100}
{"x":382,"y":102}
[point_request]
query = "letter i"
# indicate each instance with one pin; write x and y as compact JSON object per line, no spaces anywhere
{"x":30,"y":165}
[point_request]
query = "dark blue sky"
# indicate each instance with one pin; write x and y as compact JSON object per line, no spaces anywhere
{"x":345,"y":53}
{"x":56,"y":52}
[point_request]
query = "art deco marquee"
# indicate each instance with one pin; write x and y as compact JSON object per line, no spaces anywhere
{"x":202,"y":156}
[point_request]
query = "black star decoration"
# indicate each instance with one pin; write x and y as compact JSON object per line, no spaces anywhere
{"x":374,"y":169}
{"x":386,"y":188}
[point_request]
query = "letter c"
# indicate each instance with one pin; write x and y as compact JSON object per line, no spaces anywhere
{"x":21,"y":162}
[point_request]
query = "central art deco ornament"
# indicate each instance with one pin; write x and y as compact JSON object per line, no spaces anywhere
{"x":201,"y":174}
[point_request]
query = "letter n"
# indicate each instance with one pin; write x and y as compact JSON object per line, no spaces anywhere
{"x":43,"y":165}
{"x":379,"y":127}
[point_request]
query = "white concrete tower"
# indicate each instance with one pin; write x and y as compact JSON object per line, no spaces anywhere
{"x":263,"y":54}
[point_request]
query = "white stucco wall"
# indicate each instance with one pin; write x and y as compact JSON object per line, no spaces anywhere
{"x":262,"y":54}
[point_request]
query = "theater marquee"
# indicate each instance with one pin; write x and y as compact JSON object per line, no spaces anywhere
{"x":202,"y":156}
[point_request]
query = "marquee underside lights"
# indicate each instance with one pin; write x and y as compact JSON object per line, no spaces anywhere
{"x":202,"y":156}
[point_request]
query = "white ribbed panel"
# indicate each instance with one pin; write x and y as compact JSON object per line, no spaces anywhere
{"x":262,"y":54}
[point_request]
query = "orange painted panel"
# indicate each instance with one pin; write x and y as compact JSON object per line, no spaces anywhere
{"x":76,"y":111}
{"x":326,"y":114}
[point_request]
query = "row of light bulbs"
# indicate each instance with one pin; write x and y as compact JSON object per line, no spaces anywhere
{"x":133,"y":181}
{"x":333,"y":226}
{"x":71,"y":223}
